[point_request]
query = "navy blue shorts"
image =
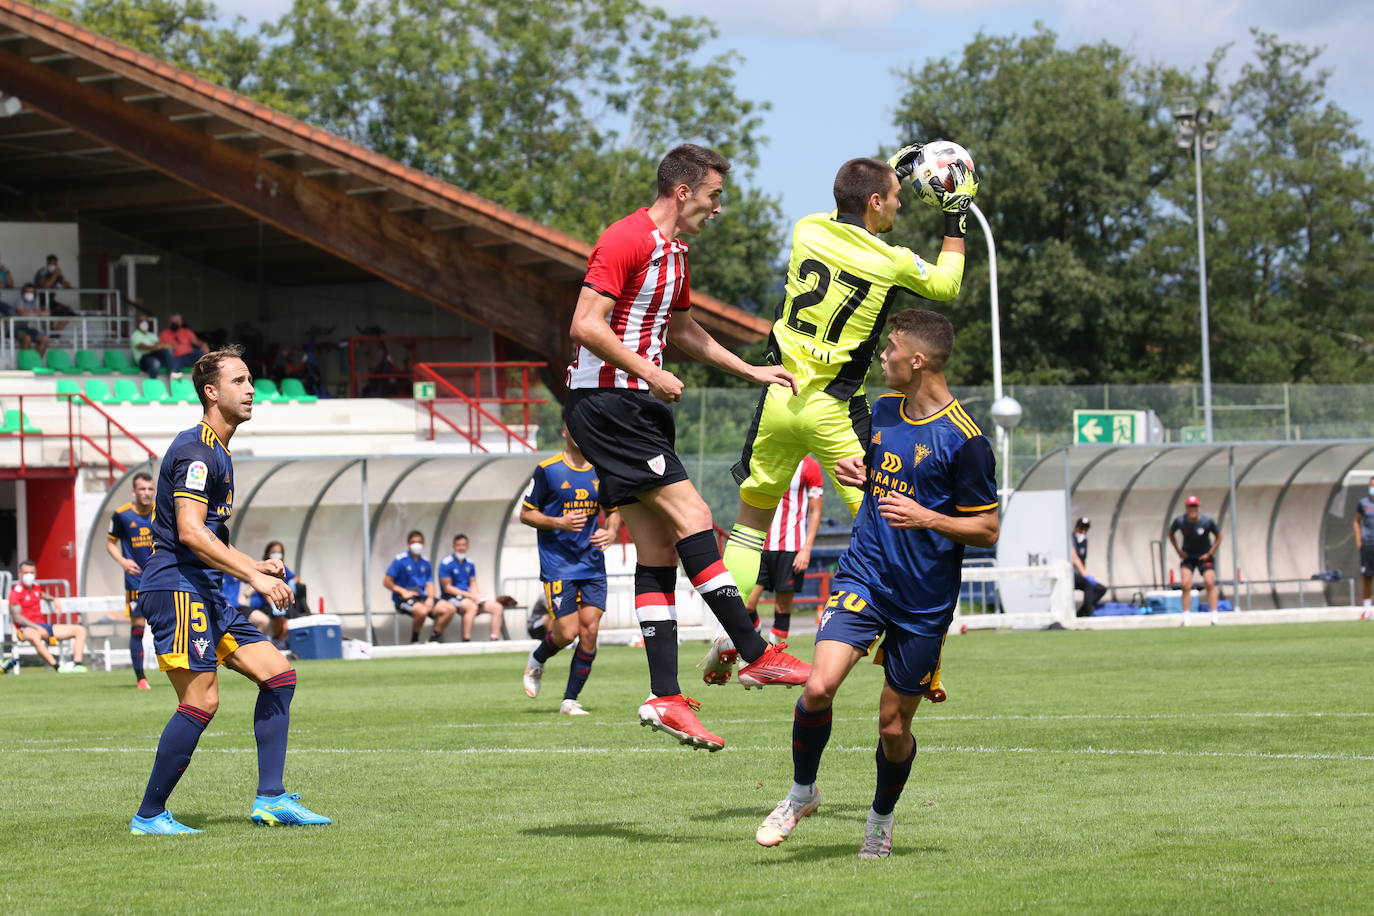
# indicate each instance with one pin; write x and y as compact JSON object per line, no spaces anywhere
{"x":45,"y":627}
{"x":910,"y":662}
{"x":194,"y":631}
{"x":565,"y":596}
{"x":1198,"y":564}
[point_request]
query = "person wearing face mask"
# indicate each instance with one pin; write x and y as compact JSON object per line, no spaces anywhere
{"x":263,"y":615}
{"x":1364,"y":543}
{"x":30,"y":337}
{"x":148,"y":354}
{"x":26,"y":610}
{"x":458,"y":580}
{"x":410,"y":579}
{"x":182,"y":343}
{"x":1092,"y":589}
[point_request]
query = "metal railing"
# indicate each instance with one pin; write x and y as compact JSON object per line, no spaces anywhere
{"x":65,"y":332}
{"x":472,"y":408}
{"x":391,"y":376}
{"x":80,"y":443}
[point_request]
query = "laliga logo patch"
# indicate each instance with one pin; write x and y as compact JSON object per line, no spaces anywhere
{"x":196,"y":475}
{"x":922,"y":453}
{"x":658,"y":464}
{"x":201,"y":645}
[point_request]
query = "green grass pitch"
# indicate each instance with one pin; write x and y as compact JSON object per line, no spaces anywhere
{"x":1226,"y":769}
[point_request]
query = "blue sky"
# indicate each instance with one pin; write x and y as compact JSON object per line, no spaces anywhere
{"x":872,"y":38}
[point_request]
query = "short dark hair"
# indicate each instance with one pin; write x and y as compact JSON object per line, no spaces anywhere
{"x":415,"y":534}
{"x":143,"y":475}
{"x":206,"y":370}
{"x":24,"y":563}
{"x":932,"y":329}
{"x":688,"y":164}
{"x":463,"y":536}
{"x":857,"y":181}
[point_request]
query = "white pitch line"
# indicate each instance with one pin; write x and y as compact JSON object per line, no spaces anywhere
{"x":865,"y":749}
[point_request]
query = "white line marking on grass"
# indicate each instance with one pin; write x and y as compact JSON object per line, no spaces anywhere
{"x":937,"y":717}
{"x":865,"y":749}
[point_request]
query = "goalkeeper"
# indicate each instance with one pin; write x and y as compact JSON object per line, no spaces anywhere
{"x":843,"y":281}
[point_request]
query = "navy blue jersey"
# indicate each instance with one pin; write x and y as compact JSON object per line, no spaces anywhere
{"x":557,"y":488}
{"x":134,"y":532}
{"x":1365,"y":510}
{"x":461,"y":574}
{"x":942,"y":462}
{"x":196,"y":466}
{"x":409,"y":572}
{"x":1198,"y":535}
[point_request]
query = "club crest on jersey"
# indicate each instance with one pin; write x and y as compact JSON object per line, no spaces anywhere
{"x":196,"y":475}
{"x":891,"y":463}
{"x":922,"y":453}
{"x":658,"y":464}
{"x":201,"y":645}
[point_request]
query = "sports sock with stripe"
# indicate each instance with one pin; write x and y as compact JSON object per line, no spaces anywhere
{"x":703,"y":565}
{"x":892,"y":779}
{"x":271,"y":721}
{"x":578,"y":673}
{"x":657,"y":615}
{"x":810,"y":733}
{"x":546,"y":649}
{"x":136,"y":650}
{"x":782,"y":623}
{"x":743,"y":551}
{"x":174,"y":750}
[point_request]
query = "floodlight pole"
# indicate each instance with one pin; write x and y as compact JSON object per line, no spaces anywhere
{"x":1202,"y":291}
{"x":1003,"y":429}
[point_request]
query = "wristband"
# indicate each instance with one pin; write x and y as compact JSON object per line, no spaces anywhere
{"x":956,"y":225}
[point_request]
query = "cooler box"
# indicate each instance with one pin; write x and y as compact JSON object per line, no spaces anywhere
{"x":1168,"y":602}
{"x":316,"y":636}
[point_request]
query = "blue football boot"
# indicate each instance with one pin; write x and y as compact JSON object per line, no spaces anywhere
{"x":159,"y":824}
{"x":284,"y":811}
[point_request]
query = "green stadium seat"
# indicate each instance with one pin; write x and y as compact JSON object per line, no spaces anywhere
{"x":11,"y":425}
{"x":89,"y":361}
{"x":293,"y":390}
{"x":29,"y":359}
{"x":68,"y":386}
{"x":184,"y":391}
{"x":155,"y":392}
{"x":126,"y":392}
{"x":98,"y":390}
{"x":265,"y":390}
{"x":61,"y":361}
{"x":119,"y":362}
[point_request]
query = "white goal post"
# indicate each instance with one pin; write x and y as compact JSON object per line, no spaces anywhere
{"x":1032,"y":597}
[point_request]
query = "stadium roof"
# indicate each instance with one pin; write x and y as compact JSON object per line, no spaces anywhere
{"x":113,"y":135}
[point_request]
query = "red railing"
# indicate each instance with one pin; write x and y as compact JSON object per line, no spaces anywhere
{"x":368,"y":355}
{"x":78,"y":440}
{"x":451,"y":378}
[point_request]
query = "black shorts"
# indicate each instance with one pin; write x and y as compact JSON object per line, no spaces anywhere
{"x":1198,"y":564}
{"x":629,"y":437}
{"x":775,"y":571}
{"x":1367,"y":560}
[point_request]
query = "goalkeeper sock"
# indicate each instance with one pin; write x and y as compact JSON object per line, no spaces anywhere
{"x":743,"y":551}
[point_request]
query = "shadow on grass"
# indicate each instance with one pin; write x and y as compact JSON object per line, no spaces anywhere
{"x":761,"y":811}
{"x":619,"y":831}
{"x":790,"y":854}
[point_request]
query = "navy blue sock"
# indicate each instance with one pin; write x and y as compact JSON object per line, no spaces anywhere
{"x":271,"y":719}
{"x":174,"y":750}
{"x":136,"y":650}
{"x":577,"y":674}
{"x":701,"y":561}
{"x":891,"y":779}
{"x":810,"y":732}
{"x":656,"y":611}
{"x":546,"y":649}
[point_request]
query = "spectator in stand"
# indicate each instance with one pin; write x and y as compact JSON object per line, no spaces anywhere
{"x":1092,"y":589}
{"x":410,"y":579}
{"x":182,"y":343}
{"x":30,"y":337}
{"x":148,"y":354}
{"x":458,"y":581}
{"x":50,"y":277}
{"x":26,"y":611}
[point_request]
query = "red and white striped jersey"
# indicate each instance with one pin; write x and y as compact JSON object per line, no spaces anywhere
{"x":647,"y":277}
{"x":788,"y":531}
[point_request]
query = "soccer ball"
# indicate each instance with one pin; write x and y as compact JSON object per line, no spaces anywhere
{"x":934,"y":167}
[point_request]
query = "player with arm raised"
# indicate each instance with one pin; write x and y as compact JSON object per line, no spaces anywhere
{"x":194,"y":630}
{"x":929,"y":489}
{"x":130,"y":544}
{"x":843,"y":281}
{"x":635,"y":293}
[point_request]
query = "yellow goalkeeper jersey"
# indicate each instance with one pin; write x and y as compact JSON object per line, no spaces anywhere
{"x":842,"y":281}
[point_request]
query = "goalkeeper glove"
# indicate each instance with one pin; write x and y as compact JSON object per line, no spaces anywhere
{"x":904,"y":160}
{"x":956,"y":203}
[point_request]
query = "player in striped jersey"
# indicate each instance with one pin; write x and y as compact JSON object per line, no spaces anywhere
{"x":842,"y":283}
{"x":787,"y":548}
{"x":636,"y":290}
